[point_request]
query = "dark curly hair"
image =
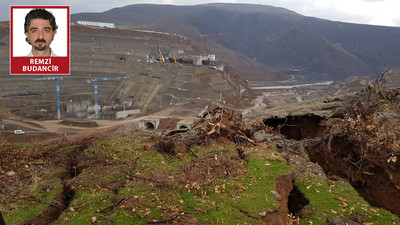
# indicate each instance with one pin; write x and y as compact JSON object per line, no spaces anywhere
{"x":40,"y":14}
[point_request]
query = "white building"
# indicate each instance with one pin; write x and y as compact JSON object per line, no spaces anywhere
{"x":96,"y":24}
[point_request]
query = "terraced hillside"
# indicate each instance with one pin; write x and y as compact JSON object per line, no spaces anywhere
{"x":100,"y":53}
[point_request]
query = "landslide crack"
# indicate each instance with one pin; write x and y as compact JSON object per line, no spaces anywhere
{"x":297,"y":127}
{"x":62,"y":200}
{"x":296,"y":201}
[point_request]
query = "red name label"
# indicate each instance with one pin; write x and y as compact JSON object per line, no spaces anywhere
{"x":40,"y":65}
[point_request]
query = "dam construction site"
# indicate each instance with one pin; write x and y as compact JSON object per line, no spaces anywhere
{"x":157,"y":128}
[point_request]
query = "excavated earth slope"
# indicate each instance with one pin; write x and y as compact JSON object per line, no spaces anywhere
{"x":113,"y":53}
{"x":354,"y":137}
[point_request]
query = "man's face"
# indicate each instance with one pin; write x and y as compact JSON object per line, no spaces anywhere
{"x":40,"y":34}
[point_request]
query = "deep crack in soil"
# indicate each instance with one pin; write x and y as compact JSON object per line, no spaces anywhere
{"x":297,"y":127}
{"x":376,"y":180}
{"x":296,"y":201}
{"x":62,"y":200}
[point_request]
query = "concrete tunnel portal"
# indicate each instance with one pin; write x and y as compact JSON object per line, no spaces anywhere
{"x":149,"y":126}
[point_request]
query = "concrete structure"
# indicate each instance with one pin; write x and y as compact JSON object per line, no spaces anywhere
{"x":96,"y":24}
{"x":184,"y":124}
{"x":126,"y":113}
{"x":149,"y":123}
{"x":78,"y":110}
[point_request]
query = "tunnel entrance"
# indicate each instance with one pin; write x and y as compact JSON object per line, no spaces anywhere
{"x":149,"y":126}
{"x":297,"y":127}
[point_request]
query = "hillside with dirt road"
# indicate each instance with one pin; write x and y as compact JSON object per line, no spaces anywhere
{"x":202,"y":145}
{"x":332,"y":160}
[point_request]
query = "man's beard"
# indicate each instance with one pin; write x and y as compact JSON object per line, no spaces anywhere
{"x":40,"y":47}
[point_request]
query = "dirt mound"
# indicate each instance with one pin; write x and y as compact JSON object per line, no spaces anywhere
{"x":171,"y":145}
{"x":168,"y":123}
{"x":204,"y":169}
{"x":79,"y":123}
{"x":210,"y":167}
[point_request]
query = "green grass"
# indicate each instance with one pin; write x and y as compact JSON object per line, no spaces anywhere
{"x":258,"y":196}
{"x":31,"y":202}
{"x":234,"y":200}
{"x":338,"y":199}
{"x":241,"y":200}
{"x":221,"y":201}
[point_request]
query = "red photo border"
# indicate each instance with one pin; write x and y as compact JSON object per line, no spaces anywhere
{"x":56,"y":65}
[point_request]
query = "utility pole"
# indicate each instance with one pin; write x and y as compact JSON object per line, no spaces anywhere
{"x":57,"y":79}
{"x":95,"y":80}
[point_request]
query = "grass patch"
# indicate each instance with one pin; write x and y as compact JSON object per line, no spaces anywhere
{"x":219,"y":201}
{"x":31,"y":202}
{"x":338,"y":199}
{"x":258,"y":196}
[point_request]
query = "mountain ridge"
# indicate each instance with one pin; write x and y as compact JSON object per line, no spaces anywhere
{"x":278,"y":38}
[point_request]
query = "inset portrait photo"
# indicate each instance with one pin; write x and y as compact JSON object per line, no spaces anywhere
{"x":40,"y":38}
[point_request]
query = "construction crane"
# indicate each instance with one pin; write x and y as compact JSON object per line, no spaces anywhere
{"x":95,"y":80}
{"x":205,"y":36}
{"x":159,"y":50}
{"x":57,"y":79}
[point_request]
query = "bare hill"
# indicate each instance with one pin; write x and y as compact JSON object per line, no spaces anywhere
{"x":275,"y":37}
{"x":115,"y":53}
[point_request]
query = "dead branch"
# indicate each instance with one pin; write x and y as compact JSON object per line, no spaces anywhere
{"x":108,"y":218}
{"x":378,"y":83}
{"x":245,"y":137}
{"x":180,"y":213}
{"x":113,"y":205}
{"x":29,"y":197}
{"x":194,"y":154}
{"x":215,"y":129}
{"x":236,"y":104}
{"x":8,"y":186}
{"x":246,"y":213}
{"x":164,"y":220}
{"x":146,"y":179}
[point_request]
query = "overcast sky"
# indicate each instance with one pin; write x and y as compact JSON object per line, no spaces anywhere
{"x":375,"y":12}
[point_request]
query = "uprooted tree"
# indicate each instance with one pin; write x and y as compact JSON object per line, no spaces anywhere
{"x":220,"y":124}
